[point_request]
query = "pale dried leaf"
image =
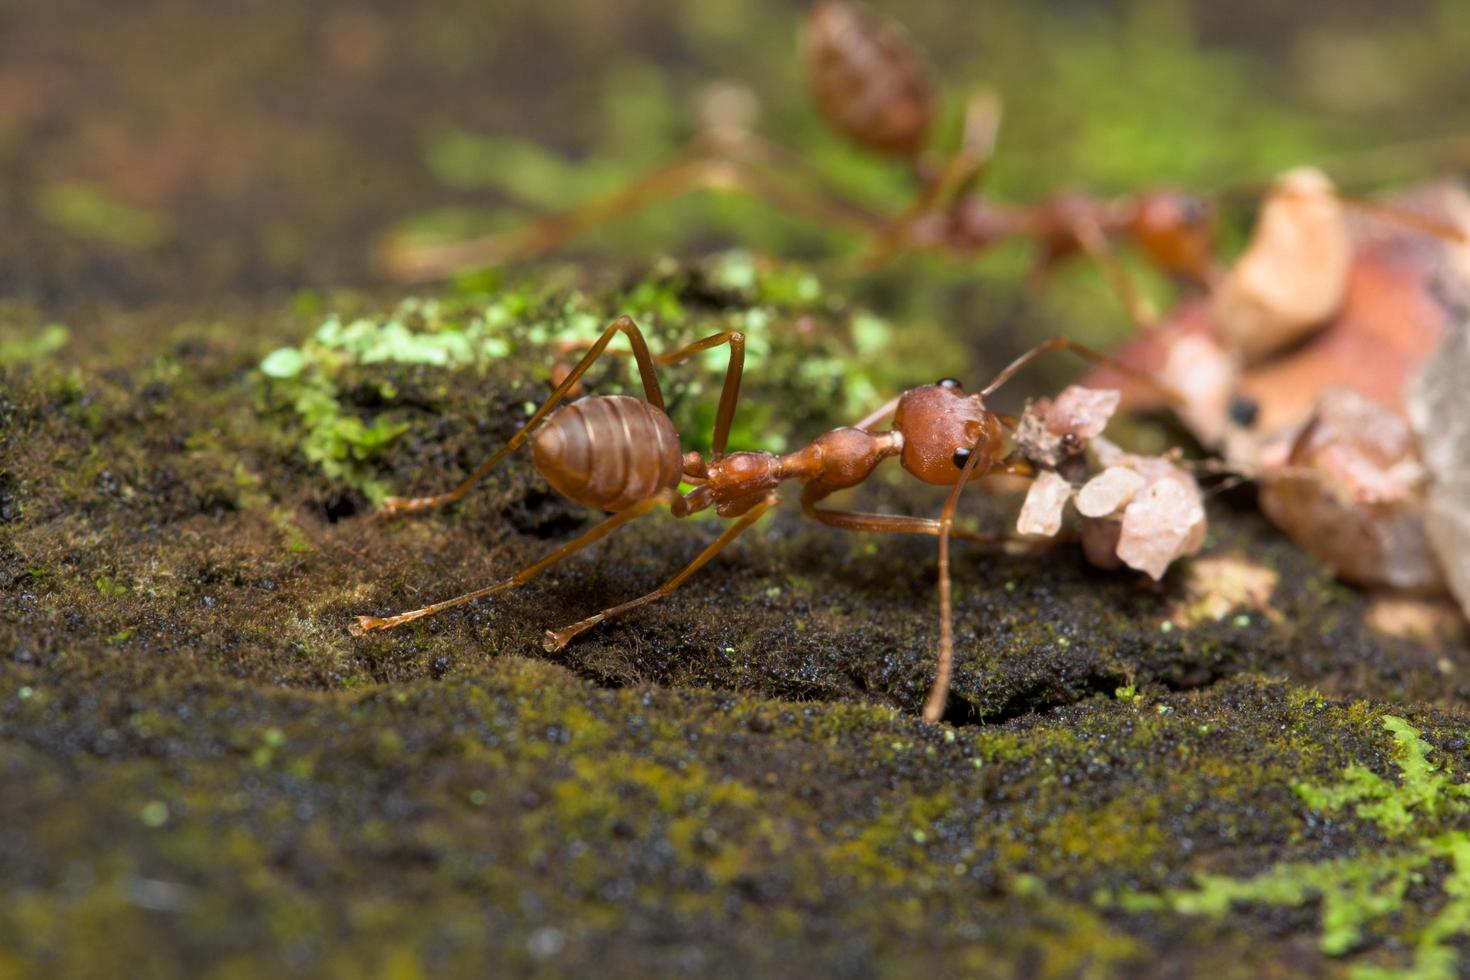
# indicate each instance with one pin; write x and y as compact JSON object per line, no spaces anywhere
{"x":1082,"y":412}
{"x":1165,"y":521}
{"x":1051,"y":430}
{"x":1199,"y":367}
{"x":1349,"y":491}
{"x":1109,"y":491}
{"x":1045,"y":500}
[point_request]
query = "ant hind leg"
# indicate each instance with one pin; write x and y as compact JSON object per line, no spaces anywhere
{"x":703,"y":165}
{"x":365,"y":624}
{"x":556,"y":639}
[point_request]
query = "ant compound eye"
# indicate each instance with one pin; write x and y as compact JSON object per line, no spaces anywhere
{"x":961,"y":457}
{"x":1244,"y":411}
{"x":952,"y":384}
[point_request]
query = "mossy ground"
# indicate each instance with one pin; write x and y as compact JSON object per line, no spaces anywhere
{"x":202,"y":769}
{"x":202,"y":773}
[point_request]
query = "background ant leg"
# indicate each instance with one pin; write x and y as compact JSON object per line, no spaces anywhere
{"x":943,"y":186}
{"x":624,"y":324}
{"x":556,"y":639}
{"x":880,"y":415}
{"x":1088,"y":354}
{"x":959,"y":174}
{"x":364,"y":624}
{"x":698,"y":167}
{"x":1095,"y":243}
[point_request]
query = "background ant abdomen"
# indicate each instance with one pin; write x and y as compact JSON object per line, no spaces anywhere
{"x":868,"y":78}
{"x":608,"y":451}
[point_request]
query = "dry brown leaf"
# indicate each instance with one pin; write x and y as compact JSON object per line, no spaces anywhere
{"x":1292,"y":277}
{"x":1349,"y":489}
{"x":1439,"y":408}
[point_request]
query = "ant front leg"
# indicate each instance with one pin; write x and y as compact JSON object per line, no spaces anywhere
{"x":623,"y":324}
{"x":851,"y":520}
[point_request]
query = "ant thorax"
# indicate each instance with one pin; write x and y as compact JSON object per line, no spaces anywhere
{"x":833,"y":461}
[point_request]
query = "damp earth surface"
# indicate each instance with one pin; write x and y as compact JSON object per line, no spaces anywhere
{"x":1247,"y":763}
{"x":206,"y":389}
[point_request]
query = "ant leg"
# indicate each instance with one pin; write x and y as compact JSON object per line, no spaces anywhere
{"x":623,"y":324}
{"x":1407,"y":217}
{"x":366,"y":624}
{"x":977,"y":146}
{"x":939,"y":691}
{"x":1095,"y":243}
{"x":720,"y":167}
{"x":729,"y":392}
{"x":1088,"y":354}
{"x":851,"y":520}
{"x":556,"y":639}
{"x":879,"y":415}
{"x":943,"y":187}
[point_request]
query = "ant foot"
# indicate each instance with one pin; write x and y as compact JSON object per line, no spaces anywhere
{"x":554,"y":640}
{"x":403,"y":505}
{"x":364,"y":624}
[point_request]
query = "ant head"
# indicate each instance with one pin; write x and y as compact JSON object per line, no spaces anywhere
{"x":1176,"y":228}
{"x":941,"y":426}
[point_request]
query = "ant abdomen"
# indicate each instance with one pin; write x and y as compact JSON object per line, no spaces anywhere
{"x":868,"y":78}
{"x":609,"y":452}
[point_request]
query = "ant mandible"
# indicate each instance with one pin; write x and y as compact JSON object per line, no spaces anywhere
{"x":623,"y":455}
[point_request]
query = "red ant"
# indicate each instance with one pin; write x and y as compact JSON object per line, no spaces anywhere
{"x":872,"y":84}
{"x":622,"y":455}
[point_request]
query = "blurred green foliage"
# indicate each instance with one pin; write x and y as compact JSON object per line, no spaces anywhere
{"x":1108,"y":97}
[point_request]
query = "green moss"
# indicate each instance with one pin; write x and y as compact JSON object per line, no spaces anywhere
{"x":49,"y":340}
{"x":799,"y":338}
{"x":1422,"y":792}
{"x":1361,"y":892}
